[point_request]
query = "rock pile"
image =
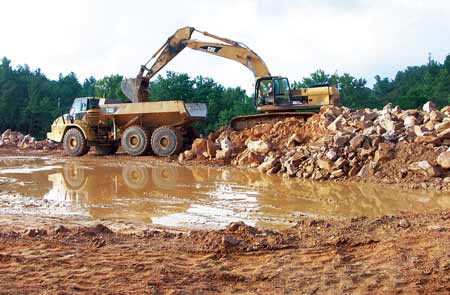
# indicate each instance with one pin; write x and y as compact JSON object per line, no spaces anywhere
{"x":16,"y":139}
{"x":337,"y":143}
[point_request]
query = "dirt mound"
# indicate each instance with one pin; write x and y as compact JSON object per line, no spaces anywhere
{"x":15,"y":139}
{"x":388,"y":145}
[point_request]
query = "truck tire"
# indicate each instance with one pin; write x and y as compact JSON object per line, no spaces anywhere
{"x":107,"y":149}
{"x":135,"y":140}
{"x":165,"y":177}
{"x":75,"y":145}
{"x":135,"y":177}
{"x":74,"y":176}
{"x":166,"y":141}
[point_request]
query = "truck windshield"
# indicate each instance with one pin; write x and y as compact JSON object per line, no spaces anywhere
{"x":93,"y":103}
{"x":79,"y":105}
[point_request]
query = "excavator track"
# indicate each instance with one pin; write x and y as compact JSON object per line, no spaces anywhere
{"x":240,"y":123}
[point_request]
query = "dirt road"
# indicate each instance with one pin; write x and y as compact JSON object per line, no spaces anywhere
{"x":407,"y":254}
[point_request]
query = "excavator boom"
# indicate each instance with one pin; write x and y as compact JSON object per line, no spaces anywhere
{"x":136,"y":89}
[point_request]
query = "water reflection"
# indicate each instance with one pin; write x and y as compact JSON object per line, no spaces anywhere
{"x":202,"y":196}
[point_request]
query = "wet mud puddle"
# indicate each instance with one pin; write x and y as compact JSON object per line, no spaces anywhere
{"x":195,"y":197}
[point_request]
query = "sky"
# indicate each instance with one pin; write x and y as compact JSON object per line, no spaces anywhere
{"x":294,"y":38}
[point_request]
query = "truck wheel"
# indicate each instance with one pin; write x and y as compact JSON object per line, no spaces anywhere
{"x":135,"y":177}
{"x":135,"y":141}
{"x":107,"y":149}
{"x":75,"y":144}
{"x":166,"y":141}
{"x":165,"y":177}
{"x":74,"y":176}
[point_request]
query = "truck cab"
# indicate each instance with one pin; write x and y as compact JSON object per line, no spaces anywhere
{"x":81,"y":105}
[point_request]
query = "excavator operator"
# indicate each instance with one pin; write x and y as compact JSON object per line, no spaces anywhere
{"x":265,"y":92}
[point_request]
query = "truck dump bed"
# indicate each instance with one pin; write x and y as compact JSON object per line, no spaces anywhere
{"x":154,"y":114}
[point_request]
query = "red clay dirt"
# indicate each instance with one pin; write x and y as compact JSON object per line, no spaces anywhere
{"x":407,"y":254}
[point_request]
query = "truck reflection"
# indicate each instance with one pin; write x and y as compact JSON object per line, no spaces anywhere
{"x":204,"y":196}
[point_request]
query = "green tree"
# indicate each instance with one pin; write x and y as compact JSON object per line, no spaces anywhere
{"x":109,"y":87}
{"x":88,"y":88}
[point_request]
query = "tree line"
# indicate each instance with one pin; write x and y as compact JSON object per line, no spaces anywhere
{"x":29,"y":101}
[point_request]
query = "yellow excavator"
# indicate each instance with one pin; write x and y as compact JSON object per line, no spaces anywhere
{"x":273,"y":96}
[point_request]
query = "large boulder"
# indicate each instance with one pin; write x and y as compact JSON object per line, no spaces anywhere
{"x":211,"y":148}
{"x":337,"y":124}
{"x":251,"y":159}
{"x":444,"y":159}
{"x":365,"y":172}
{"x":259,"y":146}
{"x":341,"y":140}
{"x":442,"y":126}
{"x":331,"y":155}
{"x":357,"y":141}
{"x":424,"y":167}
{"x":390,"y":125}
{"x":436,"y":116}
{"x":261,"y":129}
{"x":225,"y":144}
{"x":6,"y":133}
{"x":429,"y":107}
{"x":434,"y":140}
{"x":199,"y":146}
{"x":324,"y":164}
{"x":369,"y":116}
{"x":384,"y":152}
{"x":293,"y":141}
{"x":331,"y":110}
{"x":410,"y":121}
{"x":446,"y":110}
{"x":223,"y":154}
{"x":445,"y":134}
{"x":271,"y":164}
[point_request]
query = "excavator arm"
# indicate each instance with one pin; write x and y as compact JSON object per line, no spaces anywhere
{"x":136,"y":89}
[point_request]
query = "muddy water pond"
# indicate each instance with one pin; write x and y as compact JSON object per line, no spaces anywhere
{"x":197,"y":197}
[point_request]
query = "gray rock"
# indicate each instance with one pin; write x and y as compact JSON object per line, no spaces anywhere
{"x":341,"y":141}
{"x":357,"y":141}
{"x":229,"y":241}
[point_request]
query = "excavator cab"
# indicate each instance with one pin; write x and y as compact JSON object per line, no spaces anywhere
{"x":272,"y":91}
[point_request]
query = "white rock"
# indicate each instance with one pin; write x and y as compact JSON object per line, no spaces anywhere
{"x":429,"y":107}
{"x":410,"y":121}
{"x":259,"y":146}
{"x":444,"y":160}
{"x":331,"y":155}
{"x":225,"y":144}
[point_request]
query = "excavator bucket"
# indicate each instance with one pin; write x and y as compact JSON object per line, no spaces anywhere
{"x":130,"y":87}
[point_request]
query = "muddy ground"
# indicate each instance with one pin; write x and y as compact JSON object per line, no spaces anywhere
{"x":407,"y":254}
{"x":403,"y":254}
